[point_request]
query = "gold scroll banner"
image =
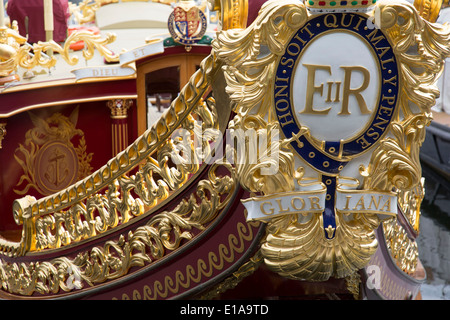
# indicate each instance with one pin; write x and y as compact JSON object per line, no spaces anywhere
{"x":384,"y":204}
{"x":312,"y":200}
{"x":309,"y":199}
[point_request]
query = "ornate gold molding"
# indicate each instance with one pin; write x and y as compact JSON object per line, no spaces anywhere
{"x":296,"y":246}
{"x":105,"y":198}
{"x":15,"y":51}
{"x":166,"y":231}
{"x":396,"y":165}
{"x":353,"y":282}
{"x":399,"y":156}
{"x":198,"y":271}
{"x":404,"y":250}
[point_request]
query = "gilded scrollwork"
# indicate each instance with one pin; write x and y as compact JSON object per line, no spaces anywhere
{"x":402,"y":248}
{"x":163,"y":232}
{"x":16,"y":52}
{"x":249,"y":57}
{"x":395,"y":165}
{"x":292,"y":242}
{"x":92,"y":41}
{"x":111,"y":195}
{"x":410,"y":205}
{"x":297,"y":245}
{"x":422,"y":47}
{"x":196,"y":272}
{"x":10,"y":44}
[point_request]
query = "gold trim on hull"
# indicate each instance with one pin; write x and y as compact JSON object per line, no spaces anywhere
{"x":164,"y":232}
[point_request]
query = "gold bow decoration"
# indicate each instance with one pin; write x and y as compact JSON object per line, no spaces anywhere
{"x":299,"y":244}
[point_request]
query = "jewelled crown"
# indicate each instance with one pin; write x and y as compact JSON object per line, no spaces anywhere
{"x":339,"y":5}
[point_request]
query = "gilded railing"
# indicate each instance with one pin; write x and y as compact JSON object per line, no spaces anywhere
{"x":131,"y":183}
{"x":140,"y":247}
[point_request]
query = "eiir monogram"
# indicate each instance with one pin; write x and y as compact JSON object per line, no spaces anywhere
{"x":332,"y":82}
{"x":312,"y":88}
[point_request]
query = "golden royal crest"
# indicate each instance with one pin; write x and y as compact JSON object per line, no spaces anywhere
{"x":337,"y":103}
{"x":187,"y":23}
{"x":343,"y":89}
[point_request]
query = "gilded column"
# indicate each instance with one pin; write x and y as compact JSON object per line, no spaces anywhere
{"x":119,"y":126}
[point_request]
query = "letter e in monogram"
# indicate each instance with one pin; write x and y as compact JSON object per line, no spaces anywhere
{"x":347,"y":90}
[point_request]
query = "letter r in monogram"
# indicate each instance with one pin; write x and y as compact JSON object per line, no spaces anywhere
{"x":347,"y":90}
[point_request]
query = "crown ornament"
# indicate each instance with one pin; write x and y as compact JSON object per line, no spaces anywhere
{"x":319,"y":6}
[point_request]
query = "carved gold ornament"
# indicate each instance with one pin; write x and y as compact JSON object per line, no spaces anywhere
{"x":15,"y":51}
{"x":2,"y":132}
{"x":92,"y":41}
{"x":10,"y":44}
{"x":322,"y":199}
{"x":326,"y":200}
{"x":49,"y":158}
{"x":146,"y":244}
{"x":196,"y":272}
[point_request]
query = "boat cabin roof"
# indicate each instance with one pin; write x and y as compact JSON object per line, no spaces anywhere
{"x":133,"y":24}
